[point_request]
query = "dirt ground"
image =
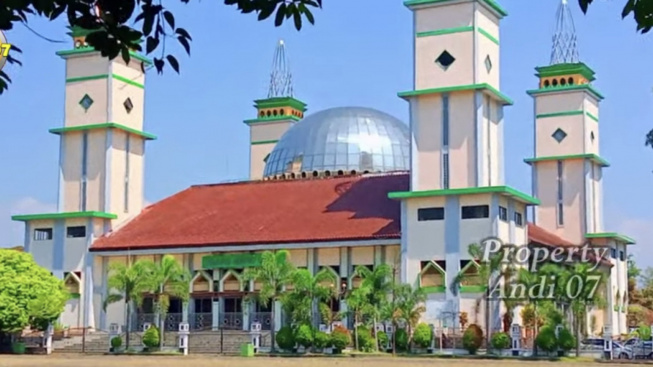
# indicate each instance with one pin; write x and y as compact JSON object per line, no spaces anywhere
{"x":218,"y":361}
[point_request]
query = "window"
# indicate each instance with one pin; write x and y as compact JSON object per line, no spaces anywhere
{"x":42,"y":234}
{"x":560,"y":206}
{"x":622,"y":256}
{"x":613,"y":253}
{"x":84,"y":171}
{"x":503,"y":213}
{"x":445,"y":60}
{"x":76,"y":232}
{"x":519,"y":219}
{"x":475,"y":211}
{"x":445,"y":120}
{"x":488,"y":151}
{"x":445,"y":170}
{"x":126,"y":194}
{"x":424,"y":214}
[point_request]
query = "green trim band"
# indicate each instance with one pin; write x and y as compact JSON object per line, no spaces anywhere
{"x":565,"y":69}
{"x":473,"y":288}
{"x":272,"y":119}
{"x":440,"y":32}
{"x":265,"y":142}
{"x":591,"y":156}
{"x":280,"y":102}
{"x":68,"y":215}
{"x":106,"y":125}
{"x":460,"y":88}
{"x":586,"y":87}
{"x":491,"y":3}
{"x":504,"y":190}
{"x":434,"y":289}
{"x":613,"y":235}
{"x":566,"y":113}
{"x":105,"y":76}
{"x":90,"y":49}
{"x":74,"y":295}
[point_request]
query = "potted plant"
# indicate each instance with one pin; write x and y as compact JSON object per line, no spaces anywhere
{"x":57,"y":331}
{"x":500,"y":341}
{"x":116,"y":344}
{"x":322,"y":341}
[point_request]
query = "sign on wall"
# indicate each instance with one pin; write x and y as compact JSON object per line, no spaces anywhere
{"x":232,"y":261}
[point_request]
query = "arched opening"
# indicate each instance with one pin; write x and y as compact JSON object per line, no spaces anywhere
{"x":340,"y":173}
{"x":201,"y":282}
{"x":292,"y":175}
{"x":555,"y":82}
{"x":353,"y":172}
{"x":327,"y":173}
{"x":231,"y":282}
{"x":303,"y":174}
{"x":282,"y":112}
{"x":432,"y":278}
{"x":268,"y":113}
{"x":563,"y":82}
{"x":274,"y":113}
{"x":570,"y":81}
{"x":546,"y":84}
{"x":470,"y":277}
{"x":73,"y":284}
{"x":262,"y":114}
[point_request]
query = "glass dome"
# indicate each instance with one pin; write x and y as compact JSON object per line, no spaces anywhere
{"x":342,"y":139}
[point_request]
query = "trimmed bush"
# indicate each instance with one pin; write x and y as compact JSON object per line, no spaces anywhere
{"x":340,"y":338}
{"x":401,"y":340}
{"x":151,"y":337}
{"x":500,"y":341}
{"x":383,"y":339}
{"x":546,"y":339}
{"x":304,"y":336}
{"x":472,"y":338}
{"x":365,"y":339}
{"x":116,"y":342}
{"x":566,"y":340}
{"x":423,"y":335}
{"x":322,"y":340}
{"x":285,"y":339}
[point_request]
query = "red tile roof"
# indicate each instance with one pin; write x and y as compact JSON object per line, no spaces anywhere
{"x":541,"y":236}
{"x":266,"y":212}
{"x":274,"y":212}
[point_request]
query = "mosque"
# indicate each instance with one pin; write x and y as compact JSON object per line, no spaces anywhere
{"x":338,"y":188}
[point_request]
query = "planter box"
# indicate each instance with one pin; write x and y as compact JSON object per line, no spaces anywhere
{"x":18,"y":348}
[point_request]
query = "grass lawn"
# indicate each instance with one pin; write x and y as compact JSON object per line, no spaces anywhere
{"x":73,"y":360}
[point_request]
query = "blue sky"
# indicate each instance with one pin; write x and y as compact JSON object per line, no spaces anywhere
{"x":358,"y":53}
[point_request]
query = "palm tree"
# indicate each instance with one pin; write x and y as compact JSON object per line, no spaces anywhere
{"x":359,"y":306}
{"x":168,"y":279}
{"x":410,"y":302}
{"x":127,"y":283}
{"x":274,"y":273}
{"x":308,"y":288}
{"x":379,"y":284}
{"x":581,"y":285}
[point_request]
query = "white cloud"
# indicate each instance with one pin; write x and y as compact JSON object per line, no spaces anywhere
{"x":13,"y":233}
{"x":640,"y":229}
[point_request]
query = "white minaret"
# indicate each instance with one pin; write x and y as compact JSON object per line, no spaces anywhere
{"x":275,"y":114}
{"x":101,"y":160}
{"x":567,"y":167}
{"x":457,"y":191}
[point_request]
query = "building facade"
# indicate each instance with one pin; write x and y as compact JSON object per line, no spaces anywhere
{"x":338,"y":188}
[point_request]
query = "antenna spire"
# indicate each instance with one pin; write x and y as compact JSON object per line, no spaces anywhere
{"x":565,"y":48}
{"x":280,"y":78}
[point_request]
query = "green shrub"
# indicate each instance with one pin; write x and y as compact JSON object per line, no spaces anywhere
{"x":500,"y":341}
{"x":566,"y":340}
{"x":340,"y":338}
{"x":322,"y":340}
{"x":401,"y":340}
{"x":472,"y":338}
{"x":546,"y":339}
{"x":151,"y":337}
{"x":383,"y":339}
{"x":285,"y":338}
{"x":365,"y":339}
{"x":423,"y":335}
{"x":116,"y":342}
{"x":644,"y":332}
{"x":304,"y":336}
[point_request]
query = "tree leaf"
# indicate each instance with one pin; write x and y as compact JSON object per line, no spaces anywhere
{"x":309,"y":16}
{"x":266,"y":10}
{"x":173,"y":63}
{"x":297,"y":18}
{"x":169,"y":18}
{"x":151,"y":44}
{"x":281,"y":12}
{"x":182,"y":32}
{"x":158,"y":64}
{"x":125,"y":54}
{"x":185,"y":44}
{"x":628,"y":8}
